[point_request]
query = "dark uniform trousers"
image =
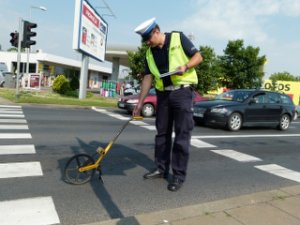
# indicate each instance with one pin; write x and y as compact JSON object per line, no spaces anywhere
{"x":174,"y":109}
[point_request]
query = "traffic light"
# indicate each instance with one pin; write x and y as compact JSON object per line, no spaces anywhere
{"x":14,"y":39}
{"x":28,"y":33}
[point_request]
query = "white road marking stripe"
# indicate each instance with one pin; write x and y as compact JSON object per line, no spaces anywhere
{"x":99,"y":110}
{"x":149,"y":127}
{"x":13,"y":121}
{"x":14,"y":127}
{"x":201,"y":144}
{"x":241,"y":157}
{"x":21,"y":169}
{"x":10,"y":106}
{"x":280,"y":171}
{"x":139,"y":123}
{"x":29,"y":211}
{"x":15,"y":136}
{"x":12,"y":115}
{"x":117,"y":116}
{"x":11,"y":111}
{"x":246,"y":136}
{"x":110,"y":114}
{"x":16,"y":149}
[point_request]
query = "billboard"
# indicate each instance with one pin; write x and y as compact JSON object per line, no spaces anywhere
{"x":90,"y":31}
{"x":291,"y":88}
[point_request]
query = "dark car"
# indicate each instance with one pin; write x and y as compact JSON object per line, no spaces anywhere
{"x":246,"y":107}
{"x":149,"y":107}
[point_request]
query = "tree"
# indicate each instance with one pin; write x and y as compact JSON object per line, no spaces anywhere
{"x":242,"y":67}
{"x":12,"y":49}
{"x":209,"y":71}
{"x":286,"y":76}
{"x":137,"y":61}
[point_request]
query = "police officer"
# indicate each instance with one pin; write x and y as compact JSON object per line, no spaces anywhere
{"x":169,"y":52}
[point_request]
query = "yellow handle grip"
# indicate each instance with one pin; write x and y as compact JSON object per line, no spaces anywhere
{"x":137,"y":118}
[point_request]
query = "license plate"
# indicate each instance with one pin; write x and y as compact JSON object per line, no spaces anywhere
{"x":122,"y":105}
{"x":198,"y":114}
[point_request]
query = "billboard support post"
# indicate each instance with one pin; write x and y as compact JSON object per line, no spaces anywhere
{"x":89,"y":38}
{"x":83,"y":76}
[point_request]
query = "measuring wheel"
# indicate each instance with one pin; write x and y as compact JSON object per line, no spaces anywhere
{"x":72,"y":173}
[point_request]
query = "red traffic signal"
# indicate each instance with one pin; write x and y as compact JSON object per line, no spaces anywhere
{"x":28,"y":33}
{"x":14,"y":39}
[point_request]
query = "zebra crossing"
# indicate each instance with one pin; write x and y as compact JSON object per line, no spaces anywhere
{"x":197,"y":142}
{"x":38,"y":210}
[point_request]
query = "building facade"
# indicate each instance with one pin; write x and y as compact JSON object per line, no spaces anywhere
{"x":48,"y":66}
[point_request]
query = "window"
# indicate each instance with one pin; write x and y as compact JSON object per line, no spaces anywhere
{"x":286,"y":99}
{"x":260,"y":98}
{"x":273,"y":97}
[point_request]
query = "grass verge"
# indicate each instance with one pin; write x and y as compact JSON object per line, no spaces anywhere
{"x":49,"y":97}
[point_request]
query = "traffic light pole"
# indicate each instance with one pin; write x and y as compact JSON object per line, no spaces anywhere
{"x":19,"y":55}
{"x":27,"y":65}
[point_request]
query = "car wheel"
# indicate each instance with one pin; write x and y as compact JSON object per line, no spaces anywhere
{"x":284,"y":122}
{"x":234,"y":122}
{"x":148,"y":110}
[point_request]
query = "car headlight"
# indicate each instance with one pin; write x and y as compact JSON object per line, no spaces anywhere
{"x":133,"y":101}
{"x":219,"y":110}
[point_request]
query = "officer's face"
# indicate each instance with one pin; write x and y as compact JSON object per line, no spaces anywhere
{"x":153,"y":39}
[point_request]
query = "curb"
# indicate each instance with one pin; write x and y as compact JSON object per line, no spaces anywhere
{"x":218,"y":211}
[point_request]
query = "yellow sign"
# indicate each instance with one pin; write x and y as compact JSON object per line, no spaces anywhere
{"x":291,"y":88}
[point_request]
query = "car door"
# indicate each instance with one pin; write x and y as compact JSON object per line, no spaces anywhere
{"x":256,"y":110}
{"x":273,"y":106}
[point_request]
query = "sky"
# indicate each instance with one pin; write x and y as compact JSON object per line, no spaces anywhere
{"x":271,"y":25}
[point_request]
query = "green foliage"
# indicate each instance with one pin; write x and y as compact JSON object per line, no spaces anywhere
{"x":286,"y":76}
{"x":242,"y":67}
{"x":137,"y":61}
{"x":209,"y":71}
{"x":239,"y":67}
{"x":74,"y":83}
{"x":61,"y":84}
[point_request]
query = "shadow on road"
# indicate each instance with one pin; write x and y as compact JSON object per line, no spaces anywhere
{"x":119,"y":159}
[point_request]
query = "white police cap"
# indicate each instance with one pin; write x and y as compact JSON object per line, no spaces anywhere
{"x":145,"y":28}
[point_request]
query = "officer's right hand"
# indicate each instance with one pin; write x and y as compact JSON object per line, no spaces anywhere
{"x":137,"y":110}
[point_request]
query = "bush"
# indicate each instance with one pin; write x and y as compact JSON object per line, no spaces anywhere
{"x":61,"y":84}
{"x":74,"y":83}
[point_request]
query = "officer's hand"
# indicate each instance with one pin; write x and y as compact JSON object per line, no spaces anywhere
{"x":137,"y":110}
{"x":181,"y":69}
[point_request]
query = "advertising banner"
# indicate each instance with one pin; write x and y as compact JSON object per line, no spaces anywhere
{"x":90,"y":31}
{"x":291,"y":88}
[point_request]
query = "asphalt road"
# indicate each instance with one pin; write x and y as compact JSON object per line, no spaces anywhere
{"x":222,"y":164}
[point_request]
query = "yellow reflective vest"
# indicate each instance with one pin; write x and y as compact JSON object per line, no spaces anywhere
{"x":177,"y":58}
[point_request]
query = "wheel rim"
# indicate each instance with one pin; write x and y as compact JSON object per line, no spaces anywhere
{"x":285,"y":122}
{"x":235,"y":122}
{"x":148,"y":110}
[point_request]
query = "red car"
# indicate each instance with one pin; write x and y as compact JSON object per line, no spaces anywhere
{"x":129,"y":102}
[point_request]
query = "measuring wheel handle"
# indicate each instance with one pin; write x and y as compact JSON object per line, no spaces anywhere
{"x":137,"y":118}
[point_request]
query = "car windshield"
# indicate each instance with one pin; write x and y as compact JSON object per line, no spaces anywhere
{"x":234,"y":95}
